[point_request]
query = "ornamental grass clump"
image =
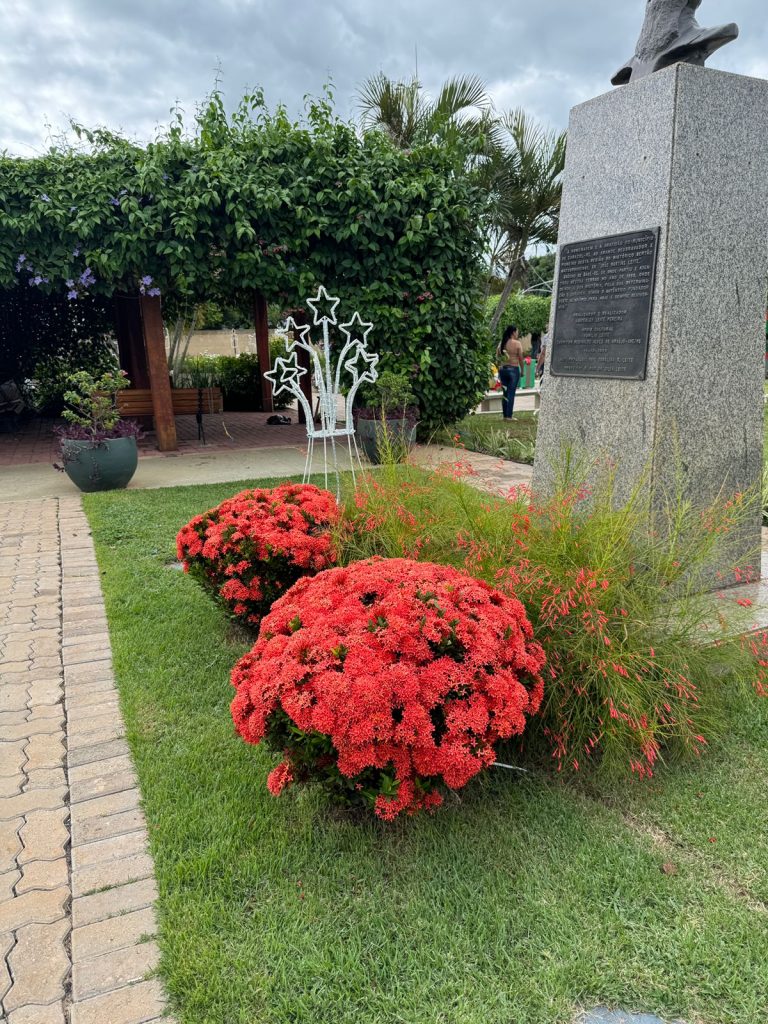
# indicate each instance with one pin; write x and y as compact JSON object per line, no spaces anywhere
{"x":388,"y":681}
{"x":251,"y":548}
{"x":640,"y":652}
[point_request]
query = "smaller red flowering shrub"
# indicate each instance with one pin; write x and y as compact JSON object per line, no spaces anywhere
{"x":386,"y":679}
{"x":251,"y":548}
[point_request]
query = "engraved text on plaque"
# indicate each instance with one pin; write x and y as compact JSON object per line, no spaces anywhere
{"x":604,"y":305}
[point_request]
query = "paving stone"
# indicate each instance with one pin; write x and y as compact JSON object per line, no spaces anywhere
{"x":44,"y":835}
{"x":45,"y":711}
{"x":13,"y":697}
{"x":98,"y":688}
{"x":47,"y":663}
{"x":602,"y":1015}
{"x":10,"y":844}
{"x":110,"y":780}
{"x":16,"y":650}
{"x":114,"y":933}
{"x":74,"y":628}
{"x":6,"y":945}
{"x":11,"y":785}
{"x":43,"y":874}
{"x":80,"y":717}
{"x":120,"y":900}
{"x":97,"y":727}
{"x":95,"y":672}
{"x":12,"y":718}
{"x":36,"y":907}
{"x":45,"y":691}
{"x":112,"y":849}
{"x":85,"y":654}
{"x":113,"y":970}
{"x":102,"y":806}
{"x":45,"y":778}
{"x":97,"y":752}
{"x":35,"y":799}
{"x":45,"y":752}
{"x":84,"y":740}
{"x":83,"y":698}
{"x":111,"y":872}
{"x":39,"y":965}
{"x":12,"y":757}
{"x":8,"y":881}
{"x":51,"y":1014}
{"x":15,"y":671}
{"x":41,"y":727}
{"x":44,"y":645}
{"x":135,"y":1004}
{"x":105,"y":827}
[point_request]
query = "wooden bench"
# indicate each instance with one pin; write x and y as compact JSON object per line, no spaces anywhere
{"x":138,"y":401}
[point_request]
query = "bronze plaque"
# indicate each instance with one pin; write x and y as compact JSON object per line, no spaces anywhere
{"x":604,"y":306}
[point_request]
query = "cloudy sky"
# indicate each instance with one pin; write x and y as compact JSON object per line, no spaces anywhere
{"x":123,"y":63}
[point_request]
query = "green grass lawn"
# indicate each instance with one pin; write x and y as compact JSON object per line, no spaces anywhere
{"x":520,"y":901}
{"x":490,"y":434}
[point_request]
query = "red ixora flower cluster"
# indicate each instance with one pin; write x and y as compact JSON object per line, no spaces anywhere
{"x":386,"y":679}
{"x":250,"y":549}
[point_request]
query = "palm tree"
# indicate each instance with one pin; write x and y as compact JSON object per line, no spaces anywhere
{"x":524,"y":179}
{"x":461,"y":112}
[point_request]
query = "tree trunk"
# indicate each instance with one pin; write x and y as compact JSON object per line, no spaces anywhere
{"x":504,"y":297}
{"x":514,"y":267}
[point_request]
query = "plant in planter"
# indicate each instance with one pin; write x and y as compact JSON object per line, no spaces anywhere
{"x":98,"y":448}
{"x":388,"y":418}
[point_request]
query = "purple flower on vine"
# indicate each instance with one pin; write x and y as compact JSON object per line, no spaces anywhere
{"x":71,"y":294}
{"x":20,"y":262}
{"x":153,"y":291}
{"x":69,"y":283}
{"x":76,"y":250}
{"x":87,"y":278}
{"x":114,"y":201}
{"x":45,"y":198}
{"x":146,"y":280}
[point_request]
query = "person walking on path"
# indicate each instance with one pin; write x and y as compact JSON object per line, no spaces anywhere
{"x":510,"y":359}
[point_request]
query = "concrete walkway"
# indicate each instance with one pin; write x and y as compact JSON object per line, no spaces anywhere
{"x":76,"y":877}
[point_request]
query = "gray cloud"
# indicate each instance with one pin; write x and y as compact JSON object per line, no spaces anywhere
{"x":123,"y":64}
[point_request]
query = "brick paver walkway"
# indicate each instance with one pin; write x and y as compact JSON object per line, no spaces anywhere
{"x":76,"y":877}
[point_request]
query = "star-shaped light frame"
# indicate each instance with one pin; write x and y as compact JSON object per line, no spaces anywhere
{"x":285,"y":374}
{"x":314,"y":304}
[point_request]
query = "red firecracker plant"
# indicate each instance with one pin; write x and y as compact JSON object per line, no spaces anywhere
{"x":251,"y":548}
{"x":387,"y":680}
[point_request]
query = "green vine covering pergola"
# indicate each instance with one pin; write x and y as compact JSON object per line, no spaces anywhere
{"x":254,"y":208}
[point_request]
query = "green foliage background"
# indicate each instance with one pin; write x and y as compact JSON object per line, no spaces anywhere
{"x":529,"y":313}
{"x":257,"y":201}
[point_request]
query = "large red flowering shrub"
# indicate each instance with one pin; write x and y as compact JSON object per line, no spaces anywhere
{"x":386,"y":679}
{"x":251,"y":548}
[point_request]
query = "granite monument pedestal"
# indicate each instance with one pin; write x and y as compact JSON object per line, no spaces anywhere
{"x":681,"y":158}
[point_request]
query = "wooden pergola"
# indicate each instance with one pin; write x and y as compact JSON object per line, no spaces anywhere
{"x":141,"y":346}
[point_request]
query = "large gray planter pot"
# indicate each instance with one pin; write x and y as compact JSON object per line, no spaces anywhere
{"x":100,"y":465}
{"x":376,"y":435}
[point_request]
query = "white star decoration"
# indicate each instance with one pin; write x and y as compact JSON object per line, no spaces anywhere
{"x":354,"y":359}
{"x":314,"y":304}
{"x":285,"y":375}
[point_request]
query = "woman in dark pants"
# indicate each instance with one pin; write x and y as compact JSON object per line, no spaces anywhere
{"x":510,"y":357}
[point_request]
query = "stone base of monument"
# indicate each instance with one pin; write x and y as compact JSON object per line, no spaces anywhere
{"x":657,"y":354}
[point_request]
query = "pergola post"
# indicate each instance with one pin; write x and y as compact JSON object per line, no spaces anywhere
{"x":159,"y":379}
{"x":130,"y":339}
{"x":261,"y":325}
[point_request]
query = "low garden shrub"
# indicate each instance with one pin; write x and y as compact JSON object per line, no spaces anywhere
{"x":251,"y":548}
{"x":618,"y":593}
{"x":388,"y":680}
